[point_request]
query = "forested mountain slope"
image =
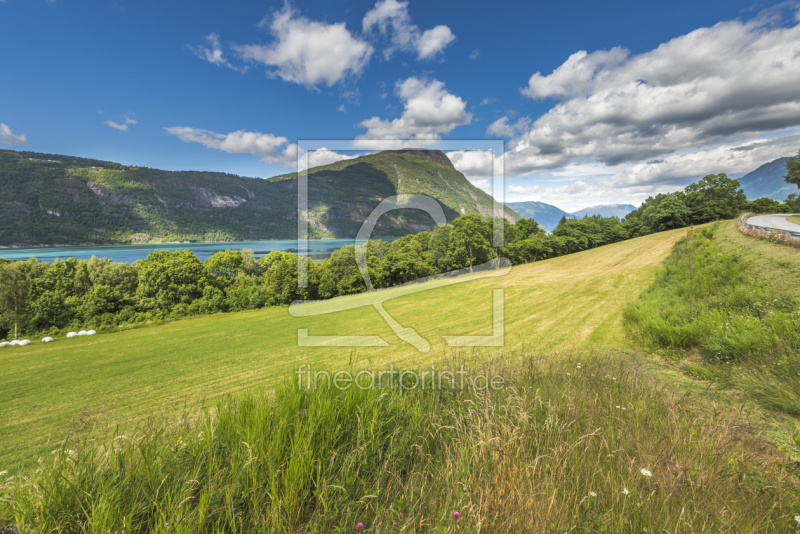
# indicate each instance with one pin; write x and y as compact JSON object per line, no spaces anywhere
{"x":50,"y":199}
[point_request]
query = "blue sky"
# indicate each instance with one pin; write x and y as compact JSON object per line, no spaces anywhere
{"x":632,"y":98}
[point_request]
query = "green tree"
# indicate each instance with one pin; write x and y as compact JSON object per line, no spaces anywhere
{"x":766,"y":205}
{"x":14,"y":294}
{"x":169,"y":278}
{"x":793,"y":170}
{"x":225,"y":265}
{"x":671,"y":213}
{"x":714,"y":197}
{"x":471,"y":241}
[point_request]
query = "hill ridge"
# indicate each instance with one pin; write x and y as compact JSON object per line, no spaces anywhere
{"x":70,"y":200}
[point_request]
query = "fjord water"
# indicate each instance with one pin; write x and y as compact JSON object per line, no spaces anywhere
{"x":318,"y":249}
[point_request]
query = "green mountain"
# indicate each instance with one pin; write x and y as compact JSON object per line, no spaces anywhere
{"x":767,"y":181}
{"x":606,"y":210}
{"x":50,"y":199}
{"x":546,"y":215}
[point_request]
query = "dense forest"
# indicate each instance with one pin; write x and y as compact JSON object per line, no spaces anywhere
{"x":48,"y":199}
{"x":39,"y":298}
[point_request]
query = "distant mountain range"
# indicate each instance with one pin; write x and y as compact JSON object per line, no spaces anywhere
{"x":767,"y":181}
{"x":48,"y":199}
{"x":606,"y":210}
{"x":546,"y":215}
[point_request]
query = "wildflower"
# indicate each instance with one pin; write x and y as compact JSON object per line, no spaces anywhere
{"x":797,"y":518}
{"x":166,"y":524}
{"x":646,"y":472}
{"x":592,"y":494}
{"x":233,"y":509}
{"x":734,"y":429}
{"x":339,"y":499}
{"x":710,"y":430}
{"x":359,"y":526}
{"x":456,"y":515}
{"x":401,"y":516}
{"x":178,"y":520}
{"x":625,"y":491}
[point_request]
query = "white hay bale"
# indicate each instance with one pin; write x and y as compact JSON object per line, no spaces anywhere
{"x":91,"y":333}
{"x":72,"y":334}
{"x":82,"y":333}
{"x":24,"y":342}
{"x":47,"y":339}
{"x":4,"y":343}
{"x":14,"y":342}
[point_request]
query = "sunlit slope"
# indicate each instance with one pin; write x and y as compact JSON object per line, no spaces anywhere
{"x":570,"y":302}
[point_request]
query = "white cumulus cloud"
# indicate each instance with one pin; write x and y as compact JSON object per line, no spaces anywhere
{"x":429,"y":111}
{"x":735,"y":80}
{"x":8,"y":137}
{"x":393,"y":20}
{"x":308,"y":52}
{"x":271,"y":148}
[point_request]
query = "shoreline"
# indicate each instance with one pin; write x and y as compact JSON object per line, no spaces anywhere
{"x":151,"y":243}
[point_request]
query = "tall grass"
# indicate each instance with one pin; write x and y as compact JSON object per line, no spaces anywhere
{"x":773,"y":236}
{"x":555,"y":450}
{"x":708,"y":301}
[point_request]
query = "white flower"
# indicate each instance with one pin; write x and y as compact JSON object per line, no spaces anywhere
{"x":592,"y":494}
{"x":797,"y":518}
{"x":625,"y":491}
{"x":646,"y":472}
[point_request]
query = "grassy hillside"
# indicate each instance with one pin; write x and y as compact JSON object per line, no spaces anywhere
{"x":553,"y":305}
{"x":48,"y":199}
{"x":587,"y":436}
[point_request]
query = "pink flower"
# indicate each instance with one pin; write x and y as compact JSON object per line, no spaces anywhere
{"x":456,"y":515}
{"x":359,"y":526}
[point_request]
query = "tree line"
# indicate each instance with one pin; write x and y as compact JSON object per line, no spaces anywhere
{"x":38,"y":298}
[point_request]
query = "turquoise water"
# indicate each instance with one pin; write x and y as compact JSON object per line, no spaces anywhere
{"x":318,"y":249}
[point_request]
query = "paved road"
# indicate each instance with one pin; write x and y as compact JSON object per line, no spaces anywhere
{"x":778,"y":222}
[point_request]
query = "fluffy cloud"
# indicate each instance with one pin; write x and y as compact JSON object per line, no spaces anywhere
{"x":7,"y":137}
{"x":272,"y":149}
{"x":678,"y":169}
{"x":429,"y":111}
{"x":392,"y":19}
{"x":502,"y":128}
{"x":308,"y":52}
{"x":733,"y":80}
{"x":117,"y":126}
{"x":478,"y":166}
{"x":634,"y":183}
{"x":120,"y":126}
{"x":213,"y":53}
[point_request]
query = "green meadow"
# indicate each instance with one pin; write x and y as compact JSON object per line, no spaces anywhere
{"x":565,"y":303}
{"x":609,"y":421}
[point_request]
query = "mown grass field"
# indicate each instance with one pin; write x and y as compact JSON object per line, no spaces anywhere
{"x":795,"y":219}
{"x":566,"y":303}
